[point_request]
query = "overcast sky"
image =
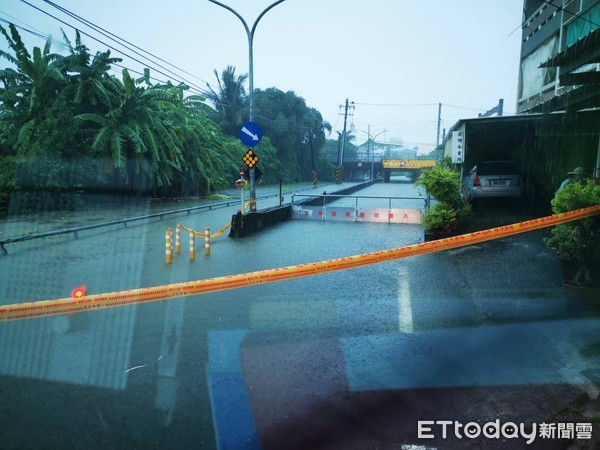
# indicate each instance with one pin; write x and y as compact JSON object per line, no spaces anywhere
{"x":395,"y":59}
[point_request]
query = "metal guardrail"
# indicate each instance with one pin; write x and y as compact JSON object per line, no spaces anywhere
{"x":426,"y":200}
{"x":315,"y":210}
{"x":124,"y":222}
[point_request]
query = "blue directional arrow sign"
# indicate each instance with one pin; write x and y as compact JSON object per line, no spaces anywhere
{"x":250,"y":134}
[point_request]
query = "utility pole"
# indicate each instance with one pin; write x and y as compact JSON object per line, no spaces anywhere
{"x":343,"y":143}
{"x":344,"y":133}
{"x":369,"y":156}
{"x":439,"y":123}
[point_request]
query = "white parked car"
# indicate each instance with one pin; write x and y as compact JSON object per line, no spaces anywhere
{"x":493,"y":179}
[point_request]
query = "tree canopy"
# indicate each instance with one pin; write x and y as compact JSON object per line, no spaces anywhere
{"x":69,"y":126}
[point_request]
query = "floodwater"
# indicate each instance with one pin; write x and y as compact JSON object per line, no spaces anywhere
{"x":349,"y":359}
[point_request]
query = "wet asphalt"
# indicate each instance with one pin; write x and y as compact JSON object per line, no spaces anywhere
{"x":350,"y":359}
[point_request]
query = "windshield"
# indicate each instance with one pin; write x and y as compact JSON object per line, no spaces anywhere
{"x":256,"y":225}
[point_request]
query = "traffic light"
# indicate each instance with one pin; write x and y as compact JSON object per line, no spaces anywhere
{"x":250,"y":159}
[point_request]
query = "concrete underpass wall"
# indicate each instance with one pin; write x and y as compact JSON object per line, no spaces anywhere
{"x":245,"y":224}
{"x":351,"y":190}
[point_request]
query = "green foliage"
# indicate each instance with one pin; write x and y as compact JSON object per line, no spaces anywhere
{"x":229,"y":100}
{"x":443,"y":183}
{"x":7,"y":179}
{"x":440,"y":217}
{"x":582,"y":194}
{"x":67,"y":126}
{"x":297,"y":131}
{"x":578,"y":240}
{"x":446,"y":162}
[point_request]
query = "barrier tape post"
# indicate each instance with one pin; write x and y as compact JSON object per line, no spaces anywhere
{"x":178,"y":239}
{"x":192,"y":246}
{"x":43,"y":308}
{"x":207,"y":241}
{"x":168,"y":247}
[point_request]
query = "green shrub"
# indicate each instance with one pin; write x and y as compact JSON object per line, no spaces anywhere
{"x":443,"y":184}
{"x":578,"y":240}
{"x":440,"y":216}
{"x":451,"y":210}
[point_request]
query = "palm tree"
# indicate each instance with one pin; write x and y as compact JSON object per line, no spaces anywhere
{"x":90,"y":85}
{"x":208,"y":156}
{"x":229,"y":100}
{"x":32,"y":88}
{"x":135,"y":137}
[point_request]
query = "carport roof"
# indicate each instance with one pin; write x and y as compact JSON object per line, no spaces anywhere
{"x":495,"y":120}
{"x":525,"y":119}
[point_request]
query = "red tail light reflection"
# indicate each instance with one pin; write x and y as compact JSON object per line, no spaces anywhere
{"x":78,"y":292}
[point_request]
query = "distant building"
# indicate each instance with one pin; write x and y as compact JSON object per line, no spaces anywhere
{"x":560,"y":56}
{"x":378,"y":151}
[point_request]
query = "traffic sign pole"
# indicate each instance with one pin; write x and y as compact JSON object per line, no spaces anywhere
{"x":250,"y":135}
{"x":250,"y":35}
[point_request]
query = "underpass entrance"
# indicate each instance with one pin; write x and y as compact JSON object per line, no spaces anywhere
{"x":408,"y":167}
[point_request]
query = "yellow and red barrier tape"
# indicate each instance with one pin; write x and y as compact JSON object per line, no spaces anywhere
{"x":203,"y":235}
{"x":43,"y":308}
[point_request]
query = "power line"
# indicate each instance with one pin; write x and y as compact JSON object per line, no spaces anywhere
{"x":108,"y":34}
{"x":418,"y":105}
{"x":239,"y":108}
{"x":108,"y":45}
{"x":463,"y":107}
{"x":396,"y":104}
{"x":36,"y":33}
{"x":40,"y":35}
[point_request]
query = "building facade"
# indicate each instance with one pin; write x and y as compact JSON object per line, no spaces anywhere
{"x":560,"y":56}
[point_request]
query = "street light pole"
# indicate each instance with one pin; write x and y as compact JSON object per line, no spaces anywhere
{"x":250,"y":34}
{"x":371,"y":139}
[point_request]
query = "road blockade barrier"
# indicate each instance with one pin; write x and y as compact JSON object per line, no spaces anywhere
{"x":30,"y":310}
{"x":203,"y":235}
{"x":193,"y":234}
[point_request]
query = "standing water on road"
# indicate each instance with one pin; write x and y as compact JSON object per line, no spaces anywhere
{"x":339,"y":360}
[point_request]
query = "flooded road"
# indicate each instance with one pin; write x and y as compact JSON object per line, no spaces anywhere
{"x":349,"y":359}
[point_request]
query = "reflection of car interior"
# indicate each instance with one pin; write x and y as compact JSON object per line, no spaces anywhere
{"x":493,"y":179}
